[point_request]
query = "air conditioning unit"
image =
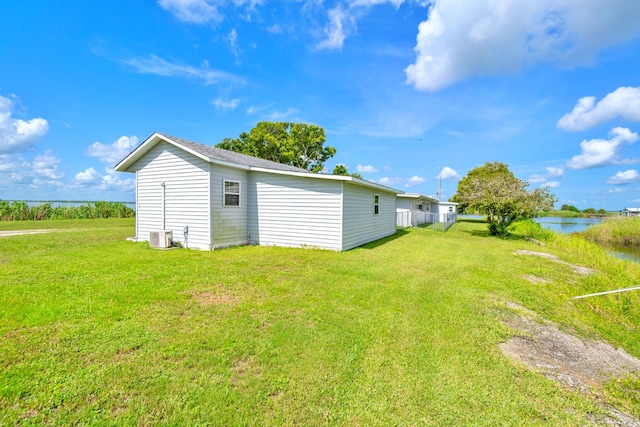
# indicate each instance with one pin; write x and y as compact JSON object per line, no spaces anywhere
{"x":160,"y":239}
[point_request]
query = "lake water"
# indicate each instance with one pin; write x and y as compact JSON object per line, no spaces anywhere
{"x":566,"y":225}
{"x":573,"y":225}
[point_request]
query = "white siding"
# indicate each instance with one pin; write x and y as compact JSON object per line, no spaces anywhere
{"x":186,"y":179}
{"x":294,"y":211}
{"x":403,"y":203}
{"x":361,"y":225}
{"x":229,"y":224}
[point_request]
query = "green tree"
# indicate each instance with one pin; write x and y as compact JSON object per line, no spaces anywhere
{"x":589,"y":211}
{"x":295,"y":144}
{"x":601,"y":211}
{"x":569,"y":208}
{"x":494,"y":191}
{"x":342,"y":170}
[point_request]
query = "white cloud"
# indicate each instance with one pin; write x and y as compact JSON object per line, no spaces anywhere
{"x":414,"y":180}
{"x":231,"y":104}
{"x":276,"y":116}
{"x":206,"y":11}
{"x":43,"y":170}
{"x":448,"y":173}
{"x":623,"y":102}
{"x":616,"y":190}
{"x":46,"y":166}
{"x":156,"y":65}
{"x":550,"y":184}
{"x":390,"y":181}
{"x":601,"y":152}
{"x":552,"y":172}
{"x":12,"y":163}
{"x":624,"y":177}
{"x":334,"y":32}
{"x":193,"y":11}
{"x":555,"y":172}
{"x":482,"y":37}
{"x":112,"y":181}
{"x":112,"y":154}
{"x":368,"y":3}
{"x":537,"y":179}
{"x":88,"y":176}
{"x":17,"y":135}
{"x":232,"y":40}
{"x":366,"y":169}
{"x":274,"y":29}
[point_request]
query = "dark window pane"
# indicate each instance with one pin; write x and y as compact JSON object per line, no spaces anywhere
{"x":232,"y":200}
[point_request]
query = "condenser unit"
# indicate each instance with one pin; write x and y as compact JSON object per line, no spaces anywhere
{"x":160,"y":239}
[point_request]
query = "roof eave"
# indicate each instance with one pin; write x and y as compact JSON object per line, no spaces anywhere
{"x":126,"y":163}
{"x":356,"y":181}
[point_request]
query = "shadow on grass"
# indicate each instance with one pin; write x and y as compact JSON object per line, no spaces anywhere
{"x":472,"y":220}
{"x":398,"y":234}
{"x":425,"y":225}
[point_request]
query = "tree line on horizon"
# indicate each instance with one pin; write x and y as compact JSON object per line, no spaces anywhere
{"x":570,"y":208}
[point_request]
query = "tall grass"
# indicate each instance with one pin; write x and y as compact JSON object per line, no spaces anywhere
{"x":624,"y":231}
{"x":21,"y":211}
{"x":530,"y":229}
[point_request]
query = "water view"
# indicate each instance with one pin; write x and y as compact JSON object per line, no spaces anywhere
{"x":574,"y":225}
{"x":566,"y":225}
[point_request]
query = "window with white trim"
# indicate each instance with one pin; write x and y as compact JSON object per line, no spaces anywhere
{"x":376,"y":204}
{"x":231,"y":196}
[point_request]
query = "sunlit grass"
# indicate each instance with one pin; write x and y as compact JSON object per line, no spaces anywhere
{"x":98,"y":330}
{"x":624,"y":231}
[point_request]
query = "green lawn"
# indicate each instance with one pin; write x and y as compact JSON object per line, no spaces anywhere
{"x":405,"y":331}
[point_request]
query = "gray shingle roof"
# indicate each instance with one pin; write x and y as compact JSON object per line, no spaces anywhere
{"x":221,"y":154}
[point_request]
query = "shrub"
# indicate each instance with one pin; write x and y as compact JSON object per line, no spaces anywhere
{"x":530,"y":228}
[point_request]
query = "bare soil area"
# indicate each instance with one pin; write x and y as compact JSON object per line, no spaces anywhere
{"x":578,"y":363}
{"x":20,"y":232}
{"x":578,"y":269}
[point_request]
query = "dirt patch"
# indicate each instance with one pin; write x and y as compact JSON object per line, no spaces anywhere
{"x":578,"y":269}
{"x":10,"y":233}
{"x":244,"y":371}
{"x":578,"y":363}
{"x":208,"y":299}
{"x":535,"y":279}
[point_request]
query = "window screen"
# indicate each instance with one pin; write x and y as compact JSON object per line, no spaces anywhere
{"x":231,"y":193}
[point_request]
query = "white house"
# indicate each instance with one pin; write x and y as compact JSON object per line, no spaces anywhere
{"x":630,"y":212}
{"x":211,"y":198}
{"x":414,"y":209}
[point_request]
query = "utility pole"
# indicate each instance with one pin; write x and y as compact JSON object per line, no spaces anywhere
{"x":439,"y":183}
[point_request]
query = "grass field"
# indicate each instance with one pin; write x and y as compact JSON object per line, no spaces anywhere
{"x":405,"y":331}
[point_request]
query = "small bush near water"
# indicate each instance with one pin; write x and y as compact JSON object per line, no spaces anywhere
{"x":531,"y":229}
{"x":624,"y":231}
{"x":21,"y":211}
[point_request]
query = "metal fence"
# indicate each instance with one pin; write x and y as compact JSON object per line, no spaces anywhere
{"x":416,"y":218}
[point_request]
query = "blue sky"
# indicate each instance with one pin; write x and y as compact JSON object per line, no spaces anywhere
{"x":405,"y":90}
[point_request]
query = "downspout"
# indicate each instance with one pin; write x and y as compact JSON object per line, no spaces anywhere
{"x":162,"y":206}
{"x":137,"y":209}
